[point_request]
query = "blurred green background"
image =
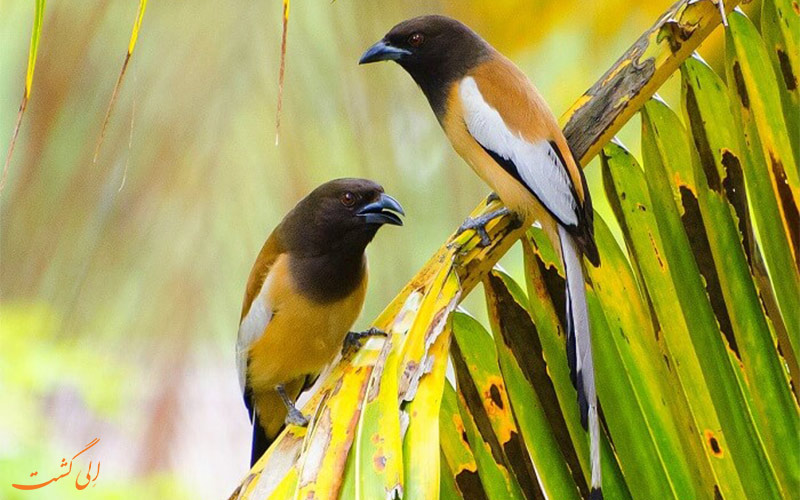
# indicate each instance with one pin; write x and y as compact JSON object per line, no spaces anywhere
{"x":121,"y":282}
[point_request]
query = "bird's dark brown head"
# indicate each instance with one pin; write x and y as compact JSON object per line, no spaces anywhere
{"x":435,"y":50}
{"x":342,"y":215}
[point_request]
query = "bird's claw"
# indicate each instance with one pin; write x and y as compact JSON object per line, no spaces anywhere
{"x":293,"y":415}
{"x":352,"y":341}
{"x":478,"y":225}
{"x":296,"y":417}
{"x":516,"y":221}
{"x":493,"y":197}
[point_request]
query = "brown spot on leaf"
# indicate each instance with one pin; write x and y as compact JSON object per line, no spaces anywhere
{"x":701,"y":140}
{"x":740,"y":88}
{"x":695,"y":229}
{"x":521,"y":465}
{"x":555,"y":289}
{"x":786,"y":69}
{"x":494,"y":394}
{"x":466,"y":387}
{"x":379,"y":460}
{"x":713,"y":444}
{"x":737,"y":196}
{"x":641,"y":207}
{"x":459,"y":425}
{"x":790,"y":212}
{"x":469,"y":484}
{"x":655,"y":251}
{"x":408,"y":372}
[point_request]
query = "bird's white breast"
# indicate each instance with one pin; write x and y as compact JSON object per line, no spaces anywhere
{"x":537,"y":164}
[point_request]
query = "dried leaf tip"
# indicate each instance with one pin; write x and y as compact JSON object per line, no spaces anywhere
{"x":282,"y":71}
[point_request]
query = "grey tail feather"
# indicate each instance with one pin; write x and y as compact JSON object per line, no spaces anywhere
{"x":579,"y":349}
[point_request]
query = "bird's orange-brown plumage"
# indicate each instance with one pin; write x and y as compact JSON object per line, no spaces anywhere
{"x":524,"y":111}
{"x":270,"y":251}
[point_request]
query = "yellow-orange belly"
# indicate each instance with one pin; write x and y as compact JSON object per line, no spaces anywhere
{"x":302,"y":336}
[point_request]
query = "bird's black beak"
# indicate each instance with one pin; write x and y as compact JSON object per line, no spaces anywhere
{"x":382,"y":51}
{"x":378,"y":212}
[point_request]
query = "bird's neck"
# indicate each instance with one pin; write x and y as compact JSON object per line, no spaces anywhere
{"x":331,"y":276}
{"x":437,"y":76}
{"x":436,"y":89}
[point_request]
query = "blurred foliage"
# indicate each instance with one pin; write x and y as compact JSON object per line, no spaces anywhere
{"x":120,"y":282}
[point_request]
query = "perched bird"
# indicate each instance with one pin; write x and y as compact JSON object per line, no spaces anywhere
{"x":501,"y":126}
{"x":304,"y":293}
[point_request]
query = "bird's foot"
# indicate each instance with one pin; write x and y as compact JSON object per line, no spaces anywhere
{"x":516,"y":221}
{"x":296,"y":417}
{"x":352,"y":341}
{"x":293,"y":415}
{"x":478,"y":224}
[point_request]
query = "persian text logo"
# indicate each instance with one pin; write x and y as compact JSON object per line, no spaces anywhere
{"x":79,"y":484}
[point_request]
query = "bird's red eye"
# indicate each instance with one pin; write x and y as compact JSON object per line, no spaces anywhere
{"x":416,"y":39}
{"x":348,"y":199}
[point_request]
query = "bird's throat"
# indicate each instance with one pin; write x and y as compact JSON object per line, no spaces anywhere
{"x":329,"y":277}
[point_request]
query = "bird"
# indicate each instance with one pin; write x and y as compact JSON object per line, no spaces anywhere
{"x":305,"y":291}
{"x":497,"y":121}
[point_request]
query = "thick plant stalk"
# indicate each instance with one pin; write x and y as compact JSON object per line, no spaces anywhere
{"x":603,"y":109}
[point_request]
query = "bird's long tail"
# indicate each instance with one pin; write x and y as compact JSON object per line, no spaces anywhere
{"x":579,"y":351}
{"x":267,"y":414}
{"x":260,"y":443}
